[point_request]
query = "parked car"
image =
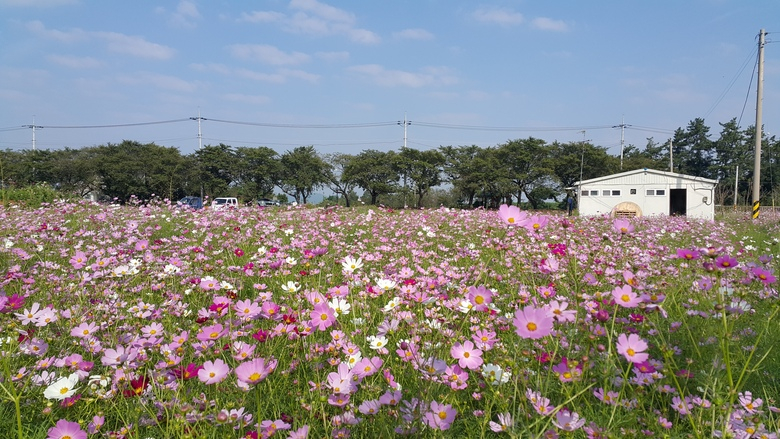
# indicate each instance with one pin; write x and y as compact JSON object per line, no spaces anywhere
{"x":191,"y":202}
{"x":267,"y":202}
{"x":224,"y":203}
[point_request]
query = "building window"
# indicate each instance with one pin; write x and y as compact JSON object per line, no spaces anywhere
{"x":660,"y":192}
{"x":584,"y":193}
{"x":650,"y":192}
{"x":633,"y":191}
{"x":594,"y":193}
{"x":656,"y":192}
{"x":616,"y":193}
{"x":605,"y":192}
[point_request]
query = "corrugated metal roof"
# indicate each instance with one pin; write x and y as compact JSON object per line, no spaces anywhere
{"x":639,"y":176}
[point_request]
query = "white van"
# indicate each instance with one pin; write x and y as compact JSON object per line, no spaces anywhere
{"x":224,"y":203}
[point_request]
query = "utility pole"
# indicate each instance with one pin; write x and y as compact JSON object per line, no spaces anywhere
{"x":200,"y":135}
{"x":405,"y":123}
{"x":622,"y":127}
{"x":33,"y":126}
{"x":736,"y":187}
{"x":759,"y":101}
{"x":671,"y":157}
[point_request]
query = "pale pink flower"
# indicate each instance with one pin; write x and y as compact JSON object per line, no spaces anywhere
{"x":632,"y":347}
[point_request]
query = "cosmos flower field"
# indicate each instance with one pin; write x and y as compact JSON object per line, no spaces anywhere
{"x":160,"y":322}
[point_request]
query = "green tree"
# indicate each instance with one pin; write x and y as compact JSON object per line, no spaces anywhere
{"x":302,"y":171}
{"x":422,"y":168}
{"x":693,"y":149}
{"x":217,"y":168}
{"x":257,"y":171}
{"x":373,"y":171}
{"x":337,"y":181}
{"x":527,"y":164}
{"x":463,"y":170}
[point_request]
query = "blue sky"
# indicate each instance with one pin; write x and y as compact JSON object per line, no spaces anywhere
{"x":352,"y":69}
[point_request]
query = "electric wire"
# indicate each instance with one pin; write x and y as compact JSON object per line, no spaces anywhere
{"x":747,"y":94}
{"x":731,"y":83}
{"x":118,"y":125}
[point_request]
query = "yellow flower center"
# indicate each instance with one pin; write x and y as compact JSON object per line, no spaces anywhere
{"x":511,"y":220}
{"x":254,"y":377}
{"x":442,"y":415}
{"x":479,"y":299}
{"x":630,"y":352}
{"x":531,"y":326}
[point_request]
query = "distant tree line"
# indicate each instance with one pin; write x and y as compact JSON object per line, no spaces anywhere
{"x":530,"y":170}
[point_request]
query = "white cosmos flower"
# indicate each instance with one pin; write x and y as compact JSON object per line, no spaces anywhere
{"x":385,"y":284}
{"x":339,"y":306}
{"x":391,"y":305}
{"x":377,"y":342}
{"x":494,"y":374}
{"x":351,"y":264}
{"x":291,"y":287}
{"x":64,"y":387}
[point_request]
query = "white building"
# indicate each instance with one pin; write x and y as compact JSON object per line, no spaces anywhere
{"x":647,"y":192}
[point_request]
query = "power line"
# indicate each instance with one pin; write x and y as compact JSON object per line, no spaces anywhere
{"x":731,"y":84}
{"x":119,"y":125}
{"x":314,"y":126}
{"x":499,"y":128}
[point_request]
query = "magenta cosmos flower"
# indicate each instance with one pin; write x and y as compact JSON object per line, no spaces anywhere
{"x":512,"y":215}
{"x":322,"y":316}
{"x":65,"y":429}
{"x":532,"y":322}
{"x":626,"y":297}
{"x":467,"y":355}
{"x":726,"y":261}
{"x":213,"y":371}
{"x":632,"y":347}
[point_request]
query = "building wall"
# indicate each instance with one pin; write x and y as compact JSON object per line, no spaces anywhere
{"x":651,"y":192}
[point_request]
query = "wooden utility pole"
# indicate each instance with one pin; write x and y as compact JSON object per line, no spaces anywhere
{"x":759,"y":101}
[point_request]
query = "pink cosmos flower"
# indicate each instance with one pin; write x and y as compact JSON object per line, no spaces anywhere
{"x":79,"y":260}
{"x":532,"y":322}
{"x":632,"y":347}
{"x":505,"y":422}
{"x":254,"y":371}
{"x":84,"y":330}
{"x":440,"y":416}
{"x":467,"y":355}
{"x":568,"y":421}
{"x":213,"y":371}
{"x":322,"y":316}
{"x":512,"y":215}
{"x":65,"y":429}
{"x":623,"y":226}
{"x":211,"y":332}
{"x":626,"y":297}
{"x":536,"y":223}
{"x":480,"y":297}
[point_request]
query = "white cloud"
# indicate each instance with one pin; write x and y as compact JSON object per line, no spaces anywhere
{"x":262,"y":17}
{"x":323,"y":10}
{"x":70,"y":36}
{"x":186,"y":15}
{"x":115,"y":42}
{"x":165,"y":82}
{"x":381,"y":76}
{"x":502,"y":16}
{"x":300,"y":74}
{"x":312,"y":17}
{"x":413,"y":34}
{"x":249,"y":99}
{"x":544,"y":23}
{"x":275,"y":78}
{"x":333,"y":56}
{"x":75,"y":62}
{"x":267,"y":54}
{"x":133,"y":45}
